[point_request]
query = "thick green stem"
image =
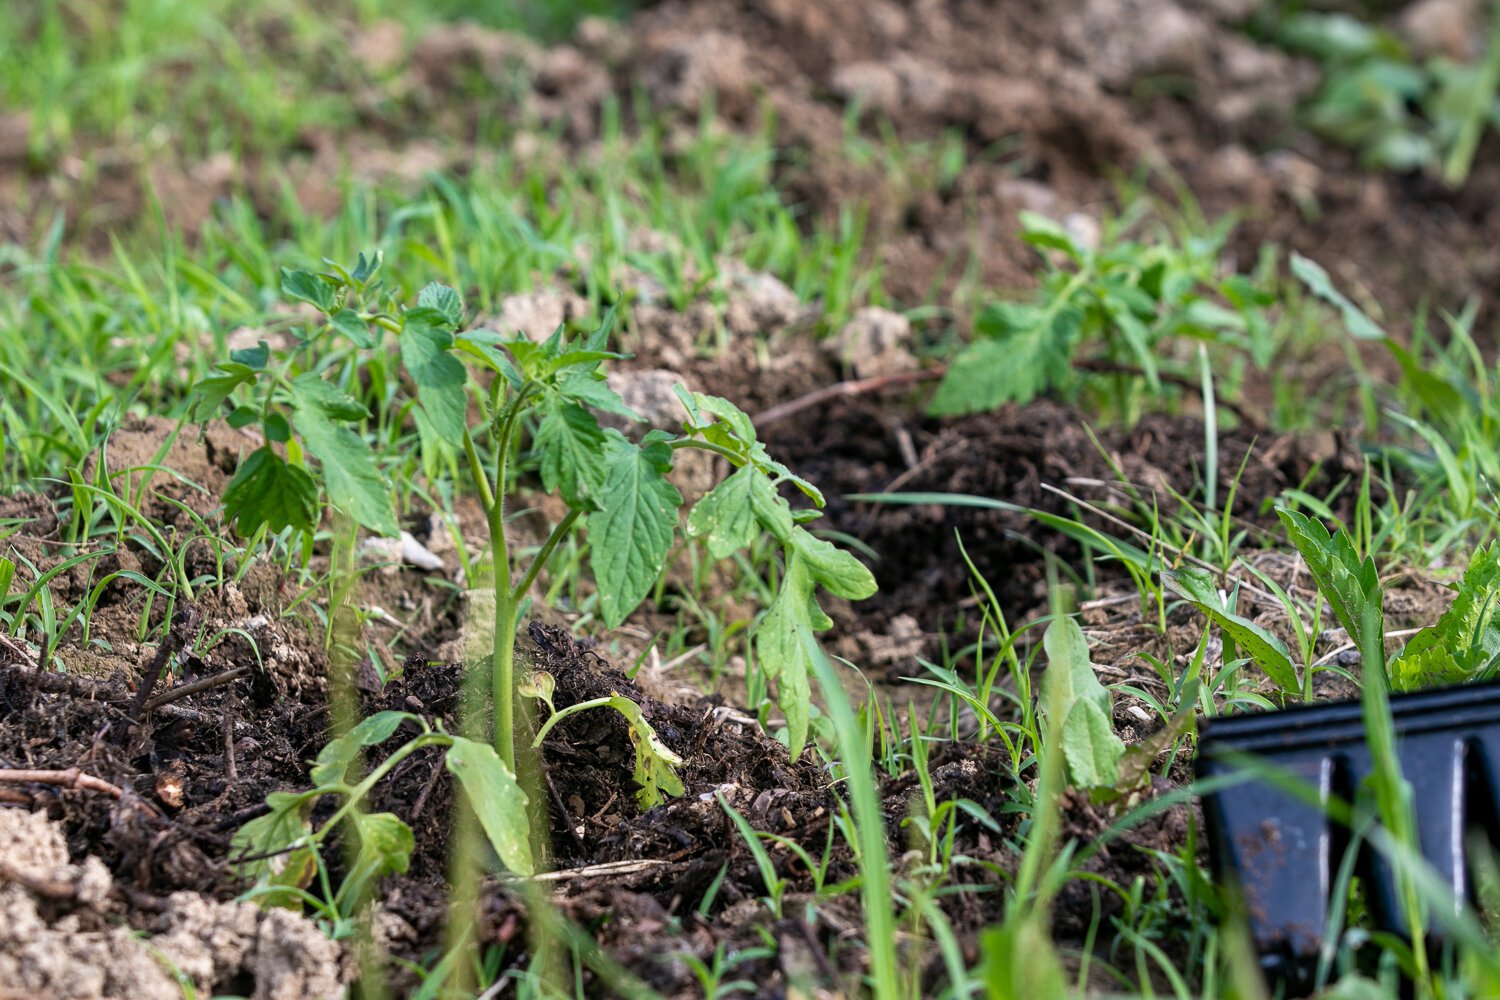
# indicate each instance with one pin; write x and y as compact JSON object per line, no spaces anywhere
{"x":503,"y":676}
{"x":503,"y":659}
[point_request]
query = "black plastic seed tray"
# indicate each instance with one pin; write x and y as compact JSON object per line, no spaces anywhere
{"x":1285,"y":852}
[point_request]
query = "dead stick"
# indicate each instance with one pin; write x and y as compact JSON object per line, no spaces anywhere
{"x":183,"y":690}
{"x":855,"y":387}
{"x":20,"y":652}
{"x":49,"y":888}
{"x":183,"y":622}
{"x":72,"y":777}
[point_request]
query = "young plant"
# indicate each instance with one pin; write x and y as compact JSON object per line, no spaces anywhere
{"x":545,"y":394}
{"x":1125,"y":298}
{"x":656,"y":765}
{"x":281,"y":848}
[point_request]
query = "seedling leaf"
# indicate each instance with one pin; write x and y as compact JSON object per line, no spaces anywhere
{"x":655,"y":764}
{"x":385,"y":846}
{"x":353,"y":482}
{"x":1021,"y":350}
{"x":1351,"y":587}
{"x":266,"y":490}
{"x":1320,"y":284}
{"x":439,"y":376}
{"x":1268,"y":652}
{"x":305,"y":286}
{"x":335,"y":757}
{"x":497,"y":799}
{"x":725,"y":515}
{"x":443,"y":300}
{"x":632,"y":532}
{"x":1089,"y":742}
{"x":1466,"y":639}
{"x":272,"y":833}
{"x":571,"y":445}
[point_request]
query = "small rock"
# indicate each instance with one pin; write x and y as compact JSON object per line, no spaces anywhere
{"x":758,"y":302}
{"x":380,"y":47}
{"x":875,"y":342}
{"x":536,"y":314}
{"x":873,"y":85}
{"x":1452,"y":28}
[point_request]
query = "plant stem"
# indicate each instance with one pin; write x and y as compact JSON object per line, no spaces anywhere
{"x":503,"y":658}
{"x":356,"y":794}
{"x":503,"y":676}
{"x":734,"y":457}
{"x":564,"y":713}
{"x":559,"y":531}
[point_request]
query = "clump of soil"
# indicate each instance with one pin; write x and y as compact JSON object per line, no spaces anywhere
{"x":61,"y":935}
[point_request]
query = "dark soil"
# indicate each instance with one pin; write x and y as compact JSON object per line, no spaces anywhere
{"x":1014,"y":455}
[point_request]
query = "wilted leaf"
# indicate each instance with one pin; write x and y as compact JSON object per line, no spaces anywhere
{"x":261,"y":840}
{"x":385,"y":846}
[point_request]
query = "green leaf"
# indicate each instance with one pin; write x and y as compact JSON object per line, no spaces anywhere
{"x":267,"y":491}
{"x":1320,"y":284}
{"x":272,"y":833}
{"x":243,"y":416}
{"x":276,"y":428}
{"x":443,"y":300}
{"x":570,"y":443}
{"x":782,"y":654}
{"x":440,"y":377}
{"x":252,"y":357}
{"x":1351,"y":587}
{"x":590,"y":389}
{"x":655,"y":764}
{"x":347,"y":322}
{"x":209,"y":393}
{"x":725,"y":515}
{"x":1040,"y":231}
{"x":838,"y":571}
{"x":1466,"y":639}
{"x":632,"y":532}
{"x":1268,"y":652}
{"x":1029,"y":349}
{"x":305,"y":286}
{"x":334,"y":759}
{"x":496,"y":798}
{"x":385,"y":846}
{"x":1090,"y":745}
{"x":352,"y":481}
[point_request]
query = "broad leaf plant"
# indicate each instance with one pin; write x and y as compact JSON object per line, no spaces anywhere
{"x":478,"y":400}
